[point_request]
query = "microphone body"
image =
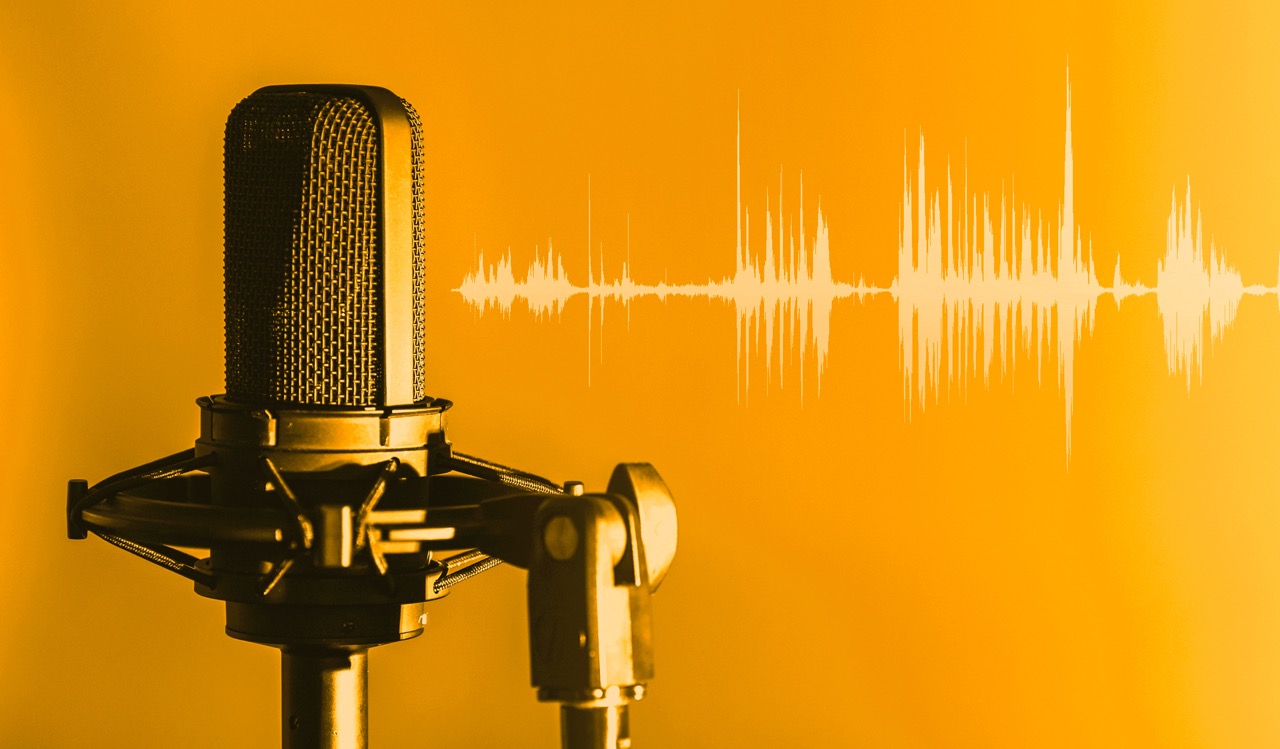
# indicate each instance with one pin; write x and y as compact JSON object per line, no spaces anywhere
{"x":325,"y":413}
{"x":324,"y":258}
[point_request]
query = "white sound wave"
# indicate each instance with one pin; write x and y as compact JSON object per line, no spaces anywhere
{"x":783,"y":295}
{"x":544,"y":287}
{"x":969,"y":283}
{"x":1195,"y":289}
{"x":982,"y":280}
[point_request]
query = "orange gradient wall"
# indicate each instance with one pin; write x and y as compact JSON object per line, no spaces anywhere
{"x":851,"y":572}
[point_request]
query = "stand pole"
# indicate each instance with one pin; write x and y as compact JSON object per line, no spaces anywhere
{"x":594,"y":727}
{"x":325,"y":701}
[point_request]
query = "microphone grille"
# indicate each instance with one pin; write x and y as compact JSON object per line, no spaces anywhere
{"x":419,"y":256}
{"x":307,"y":272}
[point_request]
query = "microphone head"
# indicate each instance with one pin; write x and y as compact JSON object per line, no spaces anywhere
{"x":324,"y":256}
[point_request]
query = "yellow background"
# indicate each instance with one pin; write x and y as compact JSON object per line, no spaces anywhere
{"x":846,"y":576}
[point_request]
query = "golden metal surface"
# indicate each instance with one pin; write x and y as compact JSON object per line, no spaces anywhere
{"x":325,"y":698}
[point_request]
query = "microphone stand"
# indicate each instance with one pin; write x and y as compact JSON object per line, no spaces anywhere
{"x":324,"y":697}
{"x":325,"y":564}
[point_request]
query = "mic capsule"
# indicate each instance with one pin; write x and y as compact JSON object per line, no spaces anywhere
{"x":324,"y":256}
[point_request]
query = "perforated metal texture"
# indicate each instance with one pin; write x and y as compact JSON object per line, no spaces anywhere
{"x":302,"y":260}
{"x":419,"y":257}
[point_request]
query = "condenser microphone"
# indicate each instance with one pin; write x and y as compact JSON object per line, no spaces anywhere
{"x":325,"y":414}
{"x":322,"y":481}
{"x":324,"y":261}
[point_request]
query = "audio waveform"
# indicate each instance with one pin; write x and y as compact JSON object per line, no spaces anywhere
{"x":981,"y":280}
{"x":1196,"y":290}
{"x":978,"y":277}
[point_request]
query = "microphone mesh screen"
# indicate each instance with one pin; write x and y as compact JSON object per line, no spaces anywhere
{"x":419,"y":259}
{"x":302,"y":261}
